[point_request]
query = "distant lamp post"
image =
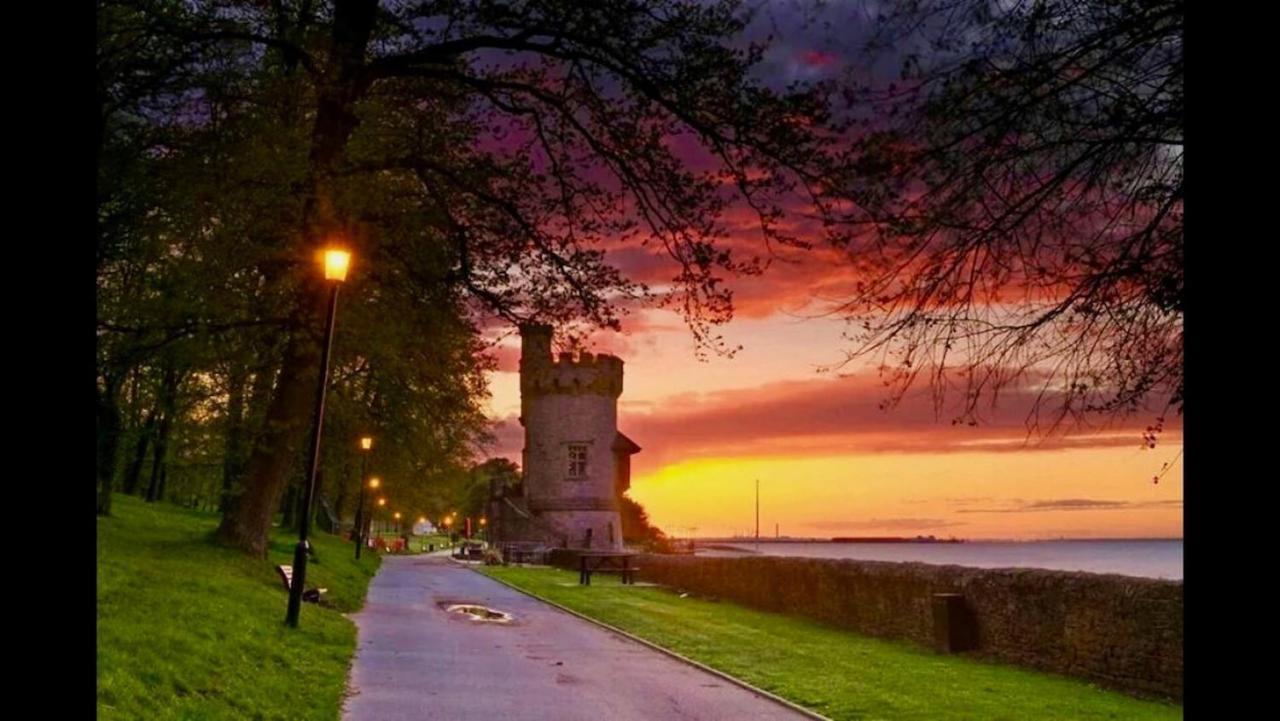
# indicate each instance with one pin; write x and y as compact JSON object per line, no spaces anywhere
{"x":336,"y":263}
{"x":396,"y":515}
{"x":361,"y":522}
{"x":382,"y":503}
{"x":366,"y":444}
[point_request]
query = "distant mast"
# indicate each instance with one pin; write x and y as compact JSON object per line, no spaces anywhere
{"x":757,"y":515}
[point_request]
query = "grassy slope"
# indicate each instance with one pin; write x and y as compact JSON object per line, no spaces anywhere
{"x":190,"y":630}
{"x":837,"y":673}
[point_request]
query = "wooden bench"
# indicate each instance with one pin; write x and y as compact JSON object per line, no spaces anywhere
{"x":286,"y":575}
{"x":606,"y":561}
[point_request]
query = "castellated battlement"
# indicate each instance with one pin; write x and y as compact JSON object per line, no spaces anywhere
{"x":588,"y":373}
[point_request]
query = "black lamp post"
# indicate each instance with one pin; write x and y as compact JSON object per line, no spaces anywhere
{"x":382,"y":503}
{"x":366,"y":443}
{"x":335,"y":270}
{"x":365,"y":522}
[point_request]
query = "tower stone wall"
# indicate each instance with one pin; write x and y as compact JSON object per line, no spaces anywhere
{"x":569,"y":410}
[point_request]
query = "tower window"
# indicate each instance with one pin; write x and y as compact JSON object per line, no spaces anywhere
{"x":577,"y":460}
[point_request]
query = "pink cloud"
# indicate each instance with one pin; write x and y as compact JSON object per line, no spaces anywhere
{"x":830,"y":416}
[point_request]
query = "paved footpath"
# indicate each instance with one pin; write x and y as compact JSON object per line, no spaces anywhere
{"x":416,"y":661}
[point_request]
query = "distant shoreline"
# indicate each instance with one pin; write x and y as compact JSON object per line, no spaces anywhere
{"x":888,"y":539}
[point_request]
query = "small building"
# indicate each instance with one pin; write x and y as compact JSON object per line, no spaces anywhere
{"x":575,"y":464}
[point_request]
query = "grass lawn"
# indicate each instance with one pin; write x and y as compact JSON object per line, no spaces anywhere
{"x":837,"y":673}
{"x":189,"y":630}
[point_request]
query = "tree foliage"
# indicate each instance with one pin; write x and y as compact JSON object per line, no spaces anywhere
{"x":1014,"y":204}
{"x":480,"y":158}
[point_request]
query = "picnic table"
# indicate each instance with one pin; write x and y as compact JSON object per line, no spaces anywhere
{"x":593,"y":561}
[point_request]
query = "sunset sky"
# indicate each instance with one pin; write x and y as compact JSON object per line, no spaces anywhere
{"x":829,"y":460}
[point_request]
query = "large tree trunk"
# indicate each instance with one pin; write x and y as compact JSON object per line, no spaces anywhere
{"x":168,"y":409}
{"x":344,"y":481}
{"x":247,"y":521}
{"x":289,"y":508}
{"x":155,"y":489}
{"x":133,"y":472}
{"x":233,"y":454}
{"x":108,"y":416}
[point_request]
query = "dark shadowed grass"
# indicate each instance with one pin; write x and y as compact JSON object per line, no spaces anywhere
{"x":190,"y":630}
{"x":837,"y":673}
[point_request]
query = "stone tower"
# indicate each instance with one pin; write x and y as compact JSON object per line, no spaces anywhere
{"x":576,"y":464}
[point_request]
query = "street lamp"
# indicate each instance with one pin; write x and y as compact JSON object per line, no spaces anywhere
{"x":397,"y":517}
{"x":366,"y":443}
{"x":382,"y":502}
{"x":336,"y":262}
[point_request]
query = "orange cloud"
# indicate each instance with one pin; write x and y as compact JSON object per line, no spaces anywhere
{"x":832,"y":416}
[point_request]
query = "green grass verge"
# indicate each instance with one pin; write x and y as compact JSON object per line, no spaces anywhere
{"x":190,"y":630}
{"x":837,"y":673}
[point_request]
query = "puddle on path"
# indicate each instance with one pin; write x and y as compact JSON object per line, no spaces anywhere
{"x":477,"y":612}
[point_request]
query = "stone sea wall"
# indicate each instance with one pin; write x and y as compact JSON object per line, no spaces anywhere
{"x":1118,"y":631}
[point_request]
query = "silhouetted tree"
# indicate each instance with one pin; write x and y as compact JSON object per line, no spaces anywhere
{"x":638,"y":531}
{"x":1013,"y":204}
{"x":485,"y":154}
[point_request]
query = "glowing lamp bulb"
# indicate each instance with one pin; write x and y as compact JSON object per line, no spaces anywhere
{"x":374,"y":482}
{"x":366,"y":443}
{"x":382,"y":501}
{"x":335,"y":264}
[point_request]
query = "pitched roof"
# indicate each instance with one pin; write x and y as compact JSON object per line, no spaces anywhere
{"x":625,"y":445}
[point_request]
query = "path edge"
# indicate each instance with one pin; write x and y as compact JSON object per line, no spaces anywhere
{"x":666,"y":651}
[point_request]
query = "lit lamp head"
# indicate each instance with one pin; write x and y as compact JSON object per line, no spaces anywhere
{"x":374,"y":483}
{"x":366,"y":443}
{"x":448,"y":521}
{"x":422,"y":520}
{"x":483,"y":520}
{"x":396,"y":515}
{"x":382,"y":501}
{"x":336,"y":262}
